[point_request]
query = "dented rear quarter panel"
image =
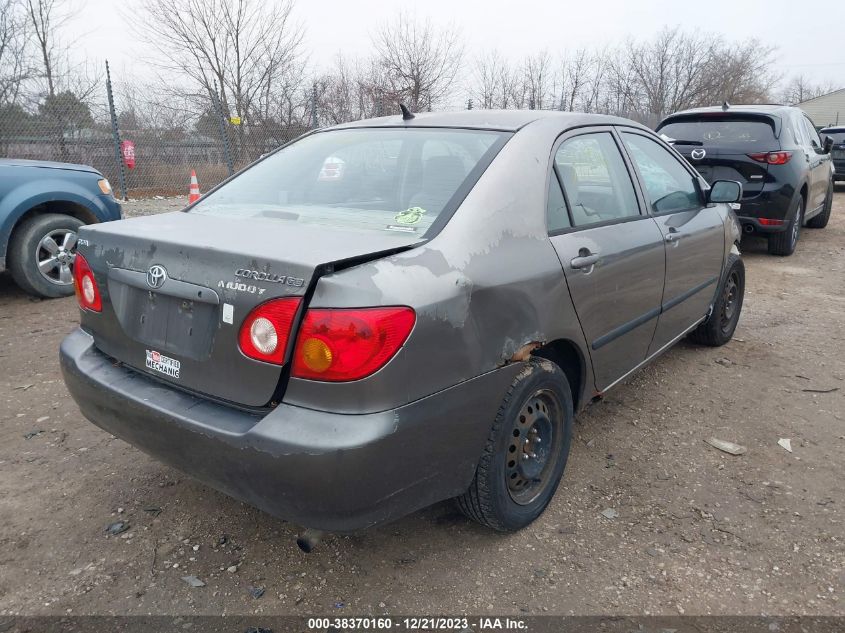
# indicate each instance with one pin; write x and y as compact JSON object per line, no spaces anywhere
{"x":489,"y":283}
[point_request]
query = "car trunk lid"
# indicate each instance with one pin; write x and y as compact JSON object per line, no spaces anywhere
{"x":176,"y":288}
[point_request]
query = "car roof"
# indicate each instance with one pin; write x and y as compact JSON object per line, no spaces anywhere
{"x":833,"y":128}
{"x":752,"y":108}
{"x":504,"y":120}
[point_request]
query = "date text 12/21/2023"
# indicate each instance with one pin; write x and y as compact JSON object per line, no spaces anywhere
{"x":422,"y":623}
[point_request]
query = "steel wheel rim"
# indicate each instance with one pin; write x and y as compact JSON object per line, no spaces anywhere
{"x":534,"y":448}
{"x":55,"y":255}
{"x":796,"y":226}
{"x":730,"y":301}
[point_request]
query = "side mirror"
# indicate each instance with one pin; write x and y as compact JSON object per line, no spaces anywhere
{"x":827,"y":145}
{"x":725,"y":191}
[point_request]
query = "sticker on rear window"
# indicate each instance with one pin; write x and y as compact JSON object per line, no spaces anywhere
{"x":410,"y":216}
{"x":162,"y":364}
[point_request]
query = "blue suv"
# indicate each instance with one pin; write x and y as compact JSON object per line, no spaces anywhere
{"x":42,"y":206}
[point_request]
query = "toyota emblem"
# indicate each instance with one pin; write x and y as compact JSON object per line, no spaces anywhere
{"x":156,"y":276}
{"x":698,"y":154}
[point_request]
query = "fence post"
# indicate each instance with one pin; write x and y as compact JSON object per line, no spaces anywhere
{"x":314,"y":121}
{"x":116,"y":136}
{"x":224,"y":136}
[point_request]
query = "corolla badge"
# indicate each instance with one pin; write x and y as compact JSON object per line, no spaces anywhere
{"x":698,"y":154}
{"x":156,"y":276}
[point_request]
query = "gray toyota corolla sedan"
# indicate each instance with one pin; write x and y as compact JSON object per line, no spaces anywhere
{"x":392,"y":312}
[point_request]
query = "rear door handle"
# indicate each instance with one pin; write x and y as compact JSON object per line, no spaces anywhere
{"x":585,"y":261}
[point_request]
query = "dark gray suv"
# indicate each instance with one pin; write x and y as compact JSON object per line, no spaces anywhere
{"x":774,"y":151}
{"x":389,"y":313}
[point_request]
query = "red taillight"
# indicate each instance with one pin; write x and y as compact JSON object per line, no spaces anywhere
{"x":349,"y":344}
{"x":770,"y":222}
{"x":772,"y":158}
{"x":87,"y":291}
{"x":265,"y":331}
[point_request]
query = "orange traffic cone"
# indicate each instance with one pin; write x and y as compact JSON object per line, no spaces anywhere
{"x":194,"y":189}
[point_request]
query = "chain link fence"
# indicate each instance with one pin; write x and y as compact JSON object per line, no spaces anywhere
{"x":147,"y":146}
{"x":142,"y":156}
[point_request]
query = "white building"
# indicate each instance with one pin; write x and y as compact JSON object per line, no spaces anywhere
{"x":826,"y":110}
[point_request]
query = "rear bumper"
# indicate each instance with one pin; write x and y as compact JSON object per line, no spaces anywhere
{"x":774,"y":204}
{"x":322,"y":470}
{"x":752,"y":225}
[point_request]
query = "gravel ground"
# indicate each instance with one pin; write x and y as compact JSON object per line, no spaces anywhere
{"x":697,"y":532}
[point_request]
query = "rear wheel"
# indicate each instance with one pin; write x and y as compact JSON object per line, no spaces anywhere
{"x":719,"y":327}
{"x":820,"y":221}
{"x":526,"y":451}
{"x":41,"y":254}
{"x":784,"y":243}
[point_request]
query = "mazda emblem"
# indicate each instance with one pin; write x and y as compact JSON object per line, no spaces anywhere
{"x":698,"y":154}
{"x":156,"y":276}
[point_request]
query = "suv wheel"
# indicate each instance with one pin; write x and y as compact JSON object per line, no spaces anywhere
{"x":719,"y":327}
{"x":526,"y":451}
{"x":41,"y":254}
{"x":784,"y":243}
{"x":820,"y":221}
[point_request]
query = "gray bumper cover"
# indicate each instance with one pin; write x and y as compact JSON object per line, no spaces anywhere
{"x":322,"y":470}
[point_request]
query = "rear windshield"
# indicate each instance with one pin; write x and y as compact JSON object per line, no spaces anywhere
{"x":372,"y":179}
{"x":838,"y":136}
{"x":721,"y":132}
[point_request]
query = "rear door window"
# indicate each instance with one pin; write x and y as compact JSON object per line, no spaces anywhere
{"x":815,"y":141}
{"x":798,"y":132}
{"x":556,"y":213}
{"x":670,"y":187}
{"x":595,"y":179}
{"x":721,"y":131}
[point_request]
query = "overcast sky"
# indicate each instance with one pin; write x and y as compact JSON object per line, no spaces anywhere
{"x":520,"y":27}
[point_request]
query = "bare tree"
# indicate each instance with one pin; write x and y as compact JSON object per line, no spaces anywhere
{"x":677,"y":70}
{"x":46,"y":17}
{"x":338,"y":93}
{"x":420,"y":61}
{"x":489,"y":71}
{"x":241,"y":49}
{"x":594,"y":88}
{"x":575,"y":80}
{"x":61,"y":71}
{"x":800,"y":89}
{"x":14,"y":64}
{"x":537,"y":72}
{"x":671,"y":71}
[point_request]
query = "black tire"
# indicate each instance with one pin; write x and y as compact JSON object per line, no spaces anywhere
{"x":784,"y":243}
{"x":719,"y":327}
{"x":26,"y":250}
{"x":821,"y":220}
{"x":538,"y":404}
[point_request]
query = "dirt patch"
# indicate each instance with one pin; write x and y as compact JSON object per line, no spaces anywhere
{"x":697,"y":531}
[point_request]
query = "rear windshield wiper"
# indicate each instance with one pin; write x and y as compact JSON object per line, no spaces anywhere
{"x":677,"y":142}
